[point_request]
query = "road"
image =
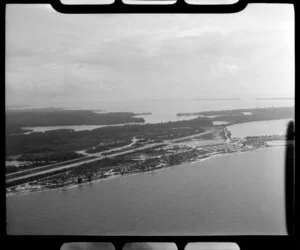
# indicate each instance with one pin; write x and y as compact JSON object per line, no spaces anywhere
{"x":46,"y":166}
{"x":99,"y":157}
{"x":81,"y":159}
{"x":191,"y":136}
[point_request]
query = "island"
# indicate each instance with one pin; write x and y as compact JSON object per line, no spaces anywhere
{"x":62,"y":158}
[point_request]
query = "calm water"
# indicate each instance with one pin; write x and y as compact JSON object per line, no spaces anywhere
{"x":219,"y":122}
{"x":259,"y":128}
{"x":73,"y":127}
{"x":234,"y":194}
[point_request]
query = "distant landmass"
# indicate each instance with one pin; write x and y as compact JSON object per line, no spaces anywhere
{"x":144,"y":113}
{"x":17,"y":106}
{"x":217,"y":99}
{"x":276,"y":98}
{"x":16,"y":119}
{"x":238,"y":115}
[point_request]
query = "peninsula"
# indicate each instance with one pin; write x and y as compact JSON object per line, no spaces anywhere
{"x":114,"y":151}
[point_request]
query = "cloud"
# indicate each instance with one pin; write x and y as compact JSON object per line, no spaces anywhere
{"x":231,"y":68}
{"x":59,"y":58}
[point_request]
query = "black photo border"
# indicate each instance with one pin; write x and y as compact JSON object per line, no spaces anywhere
{"x":245,"y":242}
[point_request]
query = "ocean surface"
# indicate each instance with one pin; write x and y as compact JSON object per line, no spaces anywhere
{"x":240,"y":193}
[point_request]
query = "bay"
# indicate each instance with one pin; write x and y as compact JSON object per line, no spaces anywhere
{"x":259,"y":128}
{"x":241,"y":193}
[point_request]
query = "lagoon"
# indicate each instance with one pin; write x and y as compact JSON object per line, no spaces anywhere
{"x":216,"y":123}
{"x":259,"y":128}
{"x":71,"y":127}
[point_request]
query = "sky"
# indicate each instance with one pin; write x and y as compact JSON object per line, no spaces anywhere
{"x":54,"y":58}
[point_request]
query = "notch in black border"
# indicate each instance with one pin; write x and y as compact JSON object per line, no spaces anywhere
{"x":180,"y":6}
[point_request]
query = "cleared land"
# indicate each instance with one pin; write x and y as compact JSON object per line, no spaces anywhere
{"x":18,"y":177}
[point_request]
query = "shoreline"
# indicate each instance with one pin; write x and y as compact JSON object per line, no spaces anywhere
{"x":214,"y":142}
{"x":26,"y":130}
{"x":120,"y":175}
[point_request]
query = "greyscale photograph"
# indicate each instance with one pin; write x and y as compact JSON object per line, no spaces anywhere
{"x":147,"y":124}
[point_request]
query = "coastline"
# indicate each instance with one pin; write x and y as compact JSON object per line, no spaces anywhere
{"x":151,"y":155}
{"x":147,"y":171}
